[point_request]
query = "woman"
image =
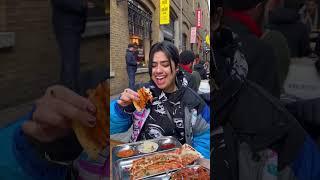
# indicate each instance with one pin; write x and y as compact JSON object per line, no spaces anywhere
{"x":176,"y":110}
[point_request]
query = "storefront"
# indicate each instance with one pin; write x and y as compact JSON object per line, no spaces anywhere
{"x":139,"y":21}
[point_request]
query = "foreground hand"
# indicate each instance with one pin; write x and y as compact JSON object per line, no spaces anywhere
{"x":54,"y":113}
{"x":127,"y":97}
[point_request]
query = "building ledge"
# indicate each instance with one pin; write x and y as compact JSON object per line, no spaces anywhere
{"x":7,"y":39}
{"x":142,"y":70}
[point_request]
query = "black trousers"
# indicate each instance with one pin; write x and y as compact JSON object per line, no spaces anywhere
{"x":69,"y":47}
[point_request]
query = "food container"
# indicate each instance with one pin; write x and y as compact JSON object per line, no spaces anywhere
{"x":137,"y":150}
{"x":121,"y":166}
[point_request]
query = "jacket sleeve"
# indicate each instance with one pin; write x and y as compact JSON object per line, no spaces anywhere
{"x":307,"y":163}
{"x":76,"y":6}
{"x":20,"y":159}
{"x":120,"y":121}
{"x":201,"y":142}
{"x":201,"y":137}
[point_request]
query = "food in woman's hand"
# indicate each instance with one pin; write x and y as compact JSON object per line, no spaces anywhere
{"x":145,"y":95}
{"x":148,"y":147}
{"x":94,"y":139}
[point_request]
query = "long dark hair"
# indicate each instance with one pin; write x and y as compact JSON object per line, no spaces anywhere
{"x":169,"y":49}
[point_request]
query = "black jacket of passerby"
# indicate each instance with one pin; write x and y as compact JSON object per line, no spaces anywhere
{"x":260,"y":58}
{"x":131,"y":60}
{"x":245,"y":112}
{"x":69,"y":15}
{"x":200,"y":69}
{"x":287,"y":22}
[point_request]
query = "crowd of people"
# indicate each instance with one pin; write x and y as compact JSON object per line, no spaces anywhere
{"x":254,"y":133}
{"x":190,"y":65}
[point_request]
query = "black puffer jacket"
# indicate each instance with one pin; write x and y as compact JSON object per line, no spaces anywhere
{"x":259,"y":56}
{"x":200,"y":69}
{"x":246,"y":113}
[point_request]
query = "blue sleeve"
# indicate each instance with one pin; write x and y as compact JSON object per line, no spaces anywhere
{"x":201,"y":142}
{"x":19,"y":160}
{"x":206,"y":113}
{"x":307,"y":164}
{"x":119,"y":120}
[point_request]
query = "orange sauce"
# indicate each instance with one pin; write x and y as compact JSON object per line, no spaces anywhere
{"x":126,"y":153}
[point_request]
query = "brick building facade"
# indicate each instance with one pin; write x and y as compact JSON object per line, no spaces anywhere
{"x":29,"y":58}
{"x":124,"y":13}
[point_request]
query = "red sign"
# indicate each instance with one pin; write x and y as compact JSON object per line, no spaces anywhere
{"x":199,"y":16}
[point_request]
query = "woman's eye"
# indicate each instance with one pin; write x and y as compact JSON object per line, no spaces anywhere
{"x":154,"y":65}
{"x":165,"y":64}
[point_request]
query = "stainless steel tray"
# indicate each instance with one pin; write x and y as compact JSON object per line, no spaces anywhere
{"x":160,"y":141}
{"x":121,"y":167}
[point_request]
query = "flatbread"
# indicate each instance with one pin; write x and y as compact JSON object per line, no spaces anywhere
{"x":95,"y":139}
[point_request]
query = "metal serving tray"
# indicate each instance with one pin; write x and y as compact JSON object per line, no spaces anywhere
{"x":134,"y":146}
{"x":121,"y":167}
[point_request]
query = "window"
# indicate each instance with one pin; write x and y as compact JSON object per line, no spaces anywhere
{"x":139,"y":22}
{"x":184,"y":42}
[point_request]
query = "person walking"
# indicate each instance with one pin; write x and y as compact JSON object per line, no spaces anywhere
{"x":69,"y":20}
{"x":131,"y":61}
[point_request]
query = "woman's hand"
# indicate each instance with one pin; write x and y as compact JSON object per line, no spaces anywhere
{"x":54,"y":113}
{"x":127,"y":97}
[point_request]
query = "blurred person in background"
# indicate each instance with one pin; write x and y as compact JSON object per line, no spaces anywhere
{"x":246,"y":19}
{"x":186,"y":61}
{"x":309,"y":14}
{"x":132,"y":65}
{"x":199,"y":67}
{"x":69,"y":21}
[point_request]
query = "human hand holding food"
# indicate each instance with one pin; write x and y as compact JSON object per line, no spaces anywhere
{"x":127,"y":97}
{"x":54,"y":113}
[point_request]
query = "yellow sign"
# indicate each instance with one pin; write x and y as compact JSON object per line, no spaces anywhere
{"x":164,"y":12}
{"x":207,"y":39}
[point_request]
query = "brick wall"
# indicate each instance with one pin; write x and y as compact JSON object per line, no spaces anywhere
{"x":119,"y":43}
{"x":29,"y":67}
{"x":120,"y":36}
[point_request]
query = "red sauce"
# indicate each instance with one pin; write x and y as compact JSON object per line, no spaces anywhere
{"x":126,"y":153}
{"x":168,"y":146}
